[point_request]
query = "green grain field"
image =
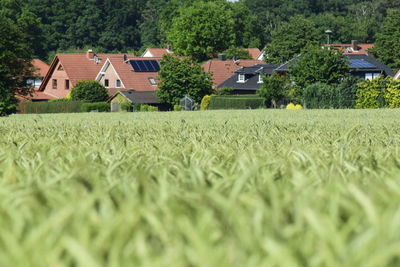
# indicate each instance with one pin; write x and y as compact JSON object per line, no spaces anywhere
{"x":222,"y":188}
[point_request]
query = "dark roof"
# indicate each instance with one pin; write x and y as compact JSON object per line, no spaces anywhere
{"x":252,"y":76}
{"x":371,"y":64}
{"x":141,"y":97}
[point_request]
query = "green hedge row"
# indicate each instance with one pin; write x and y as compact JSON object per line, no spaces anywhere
{"x":236,"y":102}
{"x":64,"y":107}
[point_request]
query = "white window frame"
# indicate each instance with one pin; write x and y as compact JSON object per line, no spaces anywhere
{"x":151,"y":79}
{"x":372,"y":75}
{"x":116,"y":83}
{"x":260,"y":78}
{"x":241,"y":78}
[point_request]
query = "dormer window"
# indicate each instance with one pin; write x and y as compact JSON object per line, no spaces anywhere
{"x":260,"y":78}
{"x":241,"y":78}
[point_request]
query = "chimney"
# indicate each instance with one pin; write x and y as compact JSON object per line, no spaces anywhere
{"x":354,"y":45}
{"x":90,"y":54}
{"x":222,"y":57}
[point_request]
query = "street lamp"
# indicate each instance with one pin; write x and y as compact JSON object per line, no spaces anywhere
{"x":328,"y":35}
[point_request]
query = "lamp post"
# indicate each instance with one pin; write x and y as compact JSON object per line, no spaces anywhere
{"x":328,"y":35}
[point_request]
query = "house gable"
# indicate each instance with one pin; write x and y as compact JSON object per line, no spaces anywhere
{"x":109,"y":77}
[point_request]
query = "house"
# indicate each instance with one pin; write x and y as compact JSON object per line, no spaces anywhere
{"x":68,"y":69}
{"x":222,"y":69}
{"x":247,"y":80}
{"x":40,"y":70}
{"x":156,"y":52}
{"x":354,"y":48}
{"x":135,"y":98}
{"x":135,"y":74}
{"x":361,"y":65}
{"x":255,"y":53}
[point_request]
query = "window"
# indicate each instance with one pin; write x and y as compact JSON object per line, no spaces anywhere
{"x":241,"y":78}
{"x":152,"y":81}
{"x":54,"y":84}
{"x":38,"y":82}
{"x":66,"y":84}
{"x":118,"y":83}
{"x":260,"y":78}
{"x":106,"y":83}
{"x":371,"y":76}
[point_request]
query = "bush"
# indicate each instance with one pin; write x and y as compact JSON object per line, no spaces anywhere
{"x":225,"y":91}
{"x":205,"y":102}
{"x":178,"y":108}
{"x":371,"y":94}
{"x":148,"y":108}
{"x":53,"y":107}
{"x":236,"y":102}
{"x":59,"y":100}
{"x":321,"y":95}
{"x":89,"y":91}
{"x":392,"y":94}
{"x":274,"y":89}
{"x":99,"y":106}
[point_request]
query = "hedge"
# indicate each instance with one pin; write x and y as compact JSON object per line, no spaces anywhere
{"x":53,"y":107}
{"x":236,"y":102}
{"x":99,"y":106}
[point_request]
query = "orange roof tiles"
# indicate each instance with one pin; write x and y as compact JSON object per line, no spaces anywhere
{"x":138,"y":81}
{"x":362,"y":49}
{"x":223,"y":70}
{"x":40,"y":67}
{"x":254,"y":52}
{"x":158,"y":52}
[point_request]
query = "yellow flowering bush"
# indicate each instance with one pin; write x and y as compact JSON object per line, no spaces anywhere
{"x":292,"y":106}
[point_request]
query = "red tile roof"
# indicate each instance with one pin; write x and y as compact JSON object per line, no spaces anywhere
{"x":77,"y":66}
{"x":254,"y":52}
{"x":158,"y":52}
{"x":362,"y":49}
{"x":35,"y":96}
{"x":138,"y":81}
{"x":222,"y":70}
{"x":41,"y":68}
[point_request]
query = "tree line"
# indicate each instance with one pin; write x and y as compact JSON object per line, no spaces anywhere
{"x":131,"y":25}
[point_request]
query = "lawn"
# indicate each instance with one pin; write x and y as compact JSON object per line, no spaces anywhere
{"x":219,"y":188}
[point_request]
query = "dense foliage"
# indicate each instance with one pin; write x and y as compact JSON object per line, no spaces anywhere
{"x":180,"y":77}
{"x":89,"y":91}
{"x":51,"y":107}
{"x":226,"y":188}
{"x":274,"y":89}
{"x":236,"y":102}
{"x":318,"y":64}
{"x":15,"y":54}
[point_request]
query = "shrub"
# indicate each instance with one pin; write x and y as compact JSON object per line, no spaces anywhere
{"x":392,"y":94}
{"x":274,"y":89}
{"x":178,"y":108}
{"x":205,"y":102}
{"x":53,"y":107}
{"x":236,"y":102}
{"x":59,"y":100}
{"x":225,"y":91}
{"x":370,"y":94}
{"x":148,"y":108}
{"x":292,"y":106}
{"x":89,"y":91}
{"x":99,"y":106}
{"x":318,"y":95}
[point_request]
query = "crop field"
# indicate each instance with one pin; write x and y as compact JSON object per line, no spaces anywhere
{"x":216,"y":188}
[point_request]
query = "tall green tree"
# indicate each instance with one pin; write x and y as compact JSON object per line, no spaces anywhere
{"x":15,"y":67}
{"x":290,"y":38}
{"x":387,"y":46}
{"x":182,"y":76}
{"x":274,"y":89}
{"x":318,"y":64}
{"x":202,"y":30}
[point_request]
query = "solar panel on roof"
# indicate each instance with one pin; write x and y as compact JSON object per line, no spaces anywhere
{"x":145,"y":65}
{"x":360,"y":64}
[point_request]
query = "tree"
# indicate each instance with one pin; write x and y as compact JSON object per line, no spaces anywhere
{"x":89,"y":91}
{"x":202,"y":30}
{"x":290,"y":38}
{"x":274,"y":89}
{"x":15,"y":66}
{"x":182,"y":76}
{"x":387,"y":46}
{"x":318,"y":64}
{"x":239,"y":53}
